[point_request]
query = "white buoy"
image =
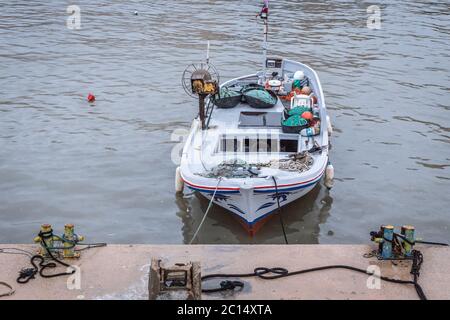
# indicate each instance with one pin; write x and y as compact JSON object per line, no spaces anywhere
{"x":329,"y":126}
{"x":299,"y":75}
{"x":179,"y":183}
{"x":329,"y":176}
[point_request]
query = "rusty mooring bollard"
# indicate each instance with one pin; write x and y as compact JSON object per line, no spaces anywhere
{"x":180,"y":278}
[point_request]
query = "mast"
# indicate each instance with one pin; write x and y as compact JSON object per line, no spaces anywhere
{"x":264,"y":15}
{"x":207,"y":54}
{"x":266,"y":29}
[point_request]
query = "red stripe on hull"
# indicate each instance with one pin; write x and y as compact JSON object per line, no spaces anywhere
{"x":252,"y":229}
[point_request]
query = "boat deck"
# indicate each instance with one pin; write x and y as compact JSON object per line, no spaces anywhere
{"x":229,"y":118}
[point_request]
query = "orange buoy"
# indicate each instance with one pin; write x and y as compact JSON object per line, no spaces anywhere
{"x":307,"y":115}
{"x":91,"y":97}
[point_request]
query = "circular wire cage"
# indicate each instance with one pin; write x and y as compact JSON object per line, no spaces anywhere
{"x":187,"y":75}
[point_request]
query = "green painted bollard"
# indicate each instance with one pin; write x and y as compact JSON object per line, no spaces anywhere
{"x":408,"y":233}
{"x":388,"y":236}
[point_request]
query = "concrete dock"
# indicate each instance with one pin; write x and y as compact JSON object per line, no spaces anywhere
{"x":121,"y":272}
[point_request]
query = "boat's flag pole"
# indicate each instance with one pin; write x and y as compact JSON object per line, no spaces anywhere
{"x":264,"y":15}
{"x":207,"y":54}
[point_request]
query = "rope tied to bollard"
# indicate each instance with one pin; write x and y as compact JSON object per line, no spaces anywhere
{"x":26,"y":274}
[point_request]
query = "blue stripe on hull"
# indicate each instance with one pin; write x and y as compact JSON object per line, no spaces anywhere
{"x":281,"y":189}
{"x":287,"y":189}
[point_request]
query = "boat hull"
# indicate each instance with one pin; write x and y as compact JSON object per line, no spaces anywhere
{"x":254,"y":206}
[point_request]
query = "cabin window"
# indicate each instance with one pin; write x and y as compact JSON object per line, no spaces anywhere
{"x":229,"y":145}
{"x":288,"y":145}
{"x":263,"y":145}
{"x":250,"y":144}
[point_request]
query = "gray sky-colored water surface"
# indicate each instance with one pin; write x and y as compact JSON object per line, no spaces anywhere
{"x":107,"y":167}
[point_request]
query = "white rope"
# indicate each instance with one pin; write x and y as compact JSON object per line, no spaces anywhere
{"x":206,"y":213}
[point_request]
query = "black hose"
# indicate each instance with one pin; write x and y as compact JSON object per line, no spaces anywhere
{"x":277,"y":273}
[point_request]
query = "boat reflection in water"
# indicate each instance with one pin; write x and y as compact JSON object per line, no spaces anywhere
{"x":301,"y":218}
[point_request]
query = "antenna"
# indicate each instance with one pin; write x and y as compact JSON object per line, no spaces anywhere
{"x":207,"y":54}
{"x":264,"y":15}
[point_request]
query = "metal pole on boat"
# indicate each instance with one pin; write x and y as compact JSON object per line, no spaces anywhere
{"x":207,"y":54}
{"x":201,"y":107}
{"x":264,"y":15}
{"x":266,"y":27}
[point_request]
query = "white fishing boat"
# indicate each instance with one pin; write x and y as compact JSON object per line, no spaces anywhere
{"x":260,"y":141}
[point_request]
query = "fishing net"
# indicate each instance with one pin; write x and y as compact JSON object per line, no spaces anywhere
{"x":262,"y":95}
{"x":299,"y":162}
{"x":295,"y":121}
{"x":227,"y":98}
{"x":298,"y":111}
{"x":232,"y":169}
{"x":227,"y":93}
{"x":300,"y":83}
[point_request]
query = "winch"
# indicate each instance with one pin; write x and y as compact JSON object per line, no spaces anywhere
{"x":184,"y":278}
{"x":200,"y":80}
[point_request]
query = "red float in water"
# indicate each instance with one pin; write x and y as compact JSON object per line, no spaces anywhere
{"x":91,"y":97}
